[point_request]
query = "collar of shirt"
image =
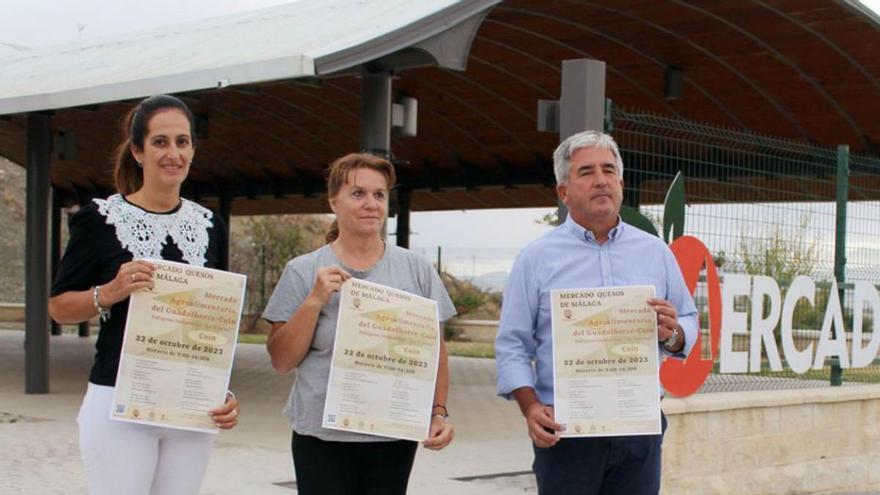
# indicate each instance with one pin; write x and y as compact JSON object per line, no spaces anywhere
{"x":587,"y":235}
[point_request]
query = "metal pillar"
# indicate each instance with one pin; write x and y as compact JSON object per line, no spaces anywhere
{"x":403,"y":199}
{"x":36,"y":341}
{"x":225,"y":211}
{"x":582,"y":105}
{"x":376,"y":139}
{"x":582,"y":102}
{"x":376,"y":115}
{"x":84,"y":329}
{"x":840,"y":243}
{"x":55,"y":251}
{"x":440,"y":260}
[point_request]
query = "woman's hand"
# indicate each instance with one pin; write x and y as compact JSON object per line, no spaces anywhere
{"x":132,"y":276}
{"x":226,"y":416}
{"x":289,"y":342}
{"x":328,"y":280}
{"x":440,"y":434}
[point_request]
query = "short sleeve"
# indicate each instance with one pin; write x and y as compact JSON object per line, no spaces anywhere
{"x":79,"y":268}
{"x":290,"y":291}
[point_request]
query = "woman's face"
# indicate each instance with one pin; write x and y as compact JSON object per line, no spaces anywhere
{"x":361,"y":203}
{"x":168,"y":150}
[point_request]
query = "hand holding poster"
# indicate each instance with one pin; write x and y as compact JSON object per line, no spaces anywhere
{"x":605,"y":361}
{"x":178,"y":347}
{"x":384,"y":364}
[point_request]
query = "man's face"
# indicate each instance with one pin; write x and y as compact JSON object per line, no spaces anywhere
{"x":594,"y":191}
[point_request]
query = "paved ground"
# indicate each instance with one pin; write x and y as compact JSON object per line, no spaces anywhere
{"x":40,"y":455}
{"x":38,"y":436}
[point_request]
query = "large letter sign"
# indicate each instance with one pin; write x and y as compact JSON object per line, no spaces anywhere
{"x":686,"y":377}
{"x":865,"y":293}
{"x":768,"y":319}
{"x":762,"y":328}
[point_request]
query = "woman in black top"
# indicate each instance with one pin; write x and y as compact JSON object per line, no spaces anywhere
{"x":103,"y":265}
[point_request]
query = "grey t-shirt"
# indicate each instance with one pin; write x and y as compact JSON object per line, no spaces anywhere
{"x":397,"y":268}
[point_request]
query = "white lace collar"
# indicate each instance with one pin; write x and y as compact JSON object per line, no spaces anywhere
{"x":143,"y":234}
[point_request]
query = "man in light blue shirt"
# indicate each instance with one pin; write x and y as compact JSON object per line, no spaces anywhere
{"x":592,"y":248}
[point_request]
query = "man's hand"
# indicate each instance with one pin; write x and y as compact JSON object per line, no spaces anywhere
{"x":539,"y":418}
{"x":667,"y":322}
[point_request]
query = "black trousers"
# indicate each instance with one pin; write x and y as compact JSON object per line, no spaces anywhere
{"x":351,"y":468}
{"x":600,"y":465}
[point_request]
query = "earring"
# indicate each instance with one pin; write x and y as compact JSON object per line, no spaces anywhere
{"x":141,"y":165}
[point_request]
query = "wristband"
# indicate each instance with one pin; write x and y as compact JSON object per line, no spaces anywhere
{"x":444,"y":414}
{"x":103,"y":312}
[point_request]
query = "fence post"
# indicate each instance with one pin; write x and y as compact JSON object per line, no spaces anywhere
{"x":439,"y":260}
{"x":840,"y":243}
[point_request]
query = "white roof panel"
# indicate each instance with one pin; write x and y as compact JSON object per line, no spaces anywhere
{"x":283,"y":42}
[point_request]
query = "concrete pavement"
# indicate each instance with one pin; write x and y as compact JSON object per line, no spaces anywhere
{"x":40,"y":454}
{"x":491,"y":454}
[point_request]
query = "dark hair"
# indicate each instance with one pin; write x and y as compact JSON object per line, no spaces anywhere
{"x":338,"y":173}
{"x":127,"y":175}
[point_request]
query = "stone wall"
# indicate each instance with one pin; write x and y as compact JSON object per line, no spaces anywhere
{"x":824,"y":440}
{"x":12,"y":222}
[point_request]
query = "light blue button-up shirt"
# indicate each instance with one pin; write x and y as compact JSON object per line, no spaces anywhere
{"x":569,"y":257}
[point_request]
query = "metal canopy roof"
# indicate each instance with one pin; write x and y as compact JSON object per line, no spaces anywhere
{"x":801,"y":69}
{"x":297,"y":40}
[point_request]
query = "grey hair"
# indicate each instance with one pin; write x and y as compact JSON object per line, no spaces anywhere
{"x":586,"y":139}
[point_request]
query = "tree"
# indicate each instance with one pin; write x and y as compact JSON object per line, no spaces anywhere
{"x":466,"y":297}
{"x":782,"y":255}
{"x":263,"y":245}
{"x":551,"y":218}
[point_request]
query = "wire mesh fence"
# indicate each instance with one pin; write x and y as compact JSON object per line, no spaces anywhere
{"x":763,"y":206}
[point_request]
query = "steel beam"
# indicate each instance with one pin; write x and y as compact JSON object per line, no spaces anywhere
{"x":225,"y":211}
{"x":55,"y":251}
{"x":582,"y":102}
{"x":36,"y":341}
{"x":403,"y":208}
{"x":376,"y":115}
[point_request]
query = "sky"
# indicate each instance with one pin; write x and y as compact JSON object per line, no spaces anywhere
{"x":473,"y":243}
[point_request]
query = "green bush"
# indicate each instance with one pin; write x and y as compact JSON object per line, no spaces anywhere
{"x":465,"y":296}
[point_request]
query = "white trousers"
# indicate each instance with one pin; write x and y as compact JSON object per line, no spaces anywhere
{"x":136,"y":459}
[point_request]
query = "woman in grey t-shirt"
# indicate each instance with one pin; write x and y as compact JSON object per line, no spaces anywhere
{"x":303,"y":311}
